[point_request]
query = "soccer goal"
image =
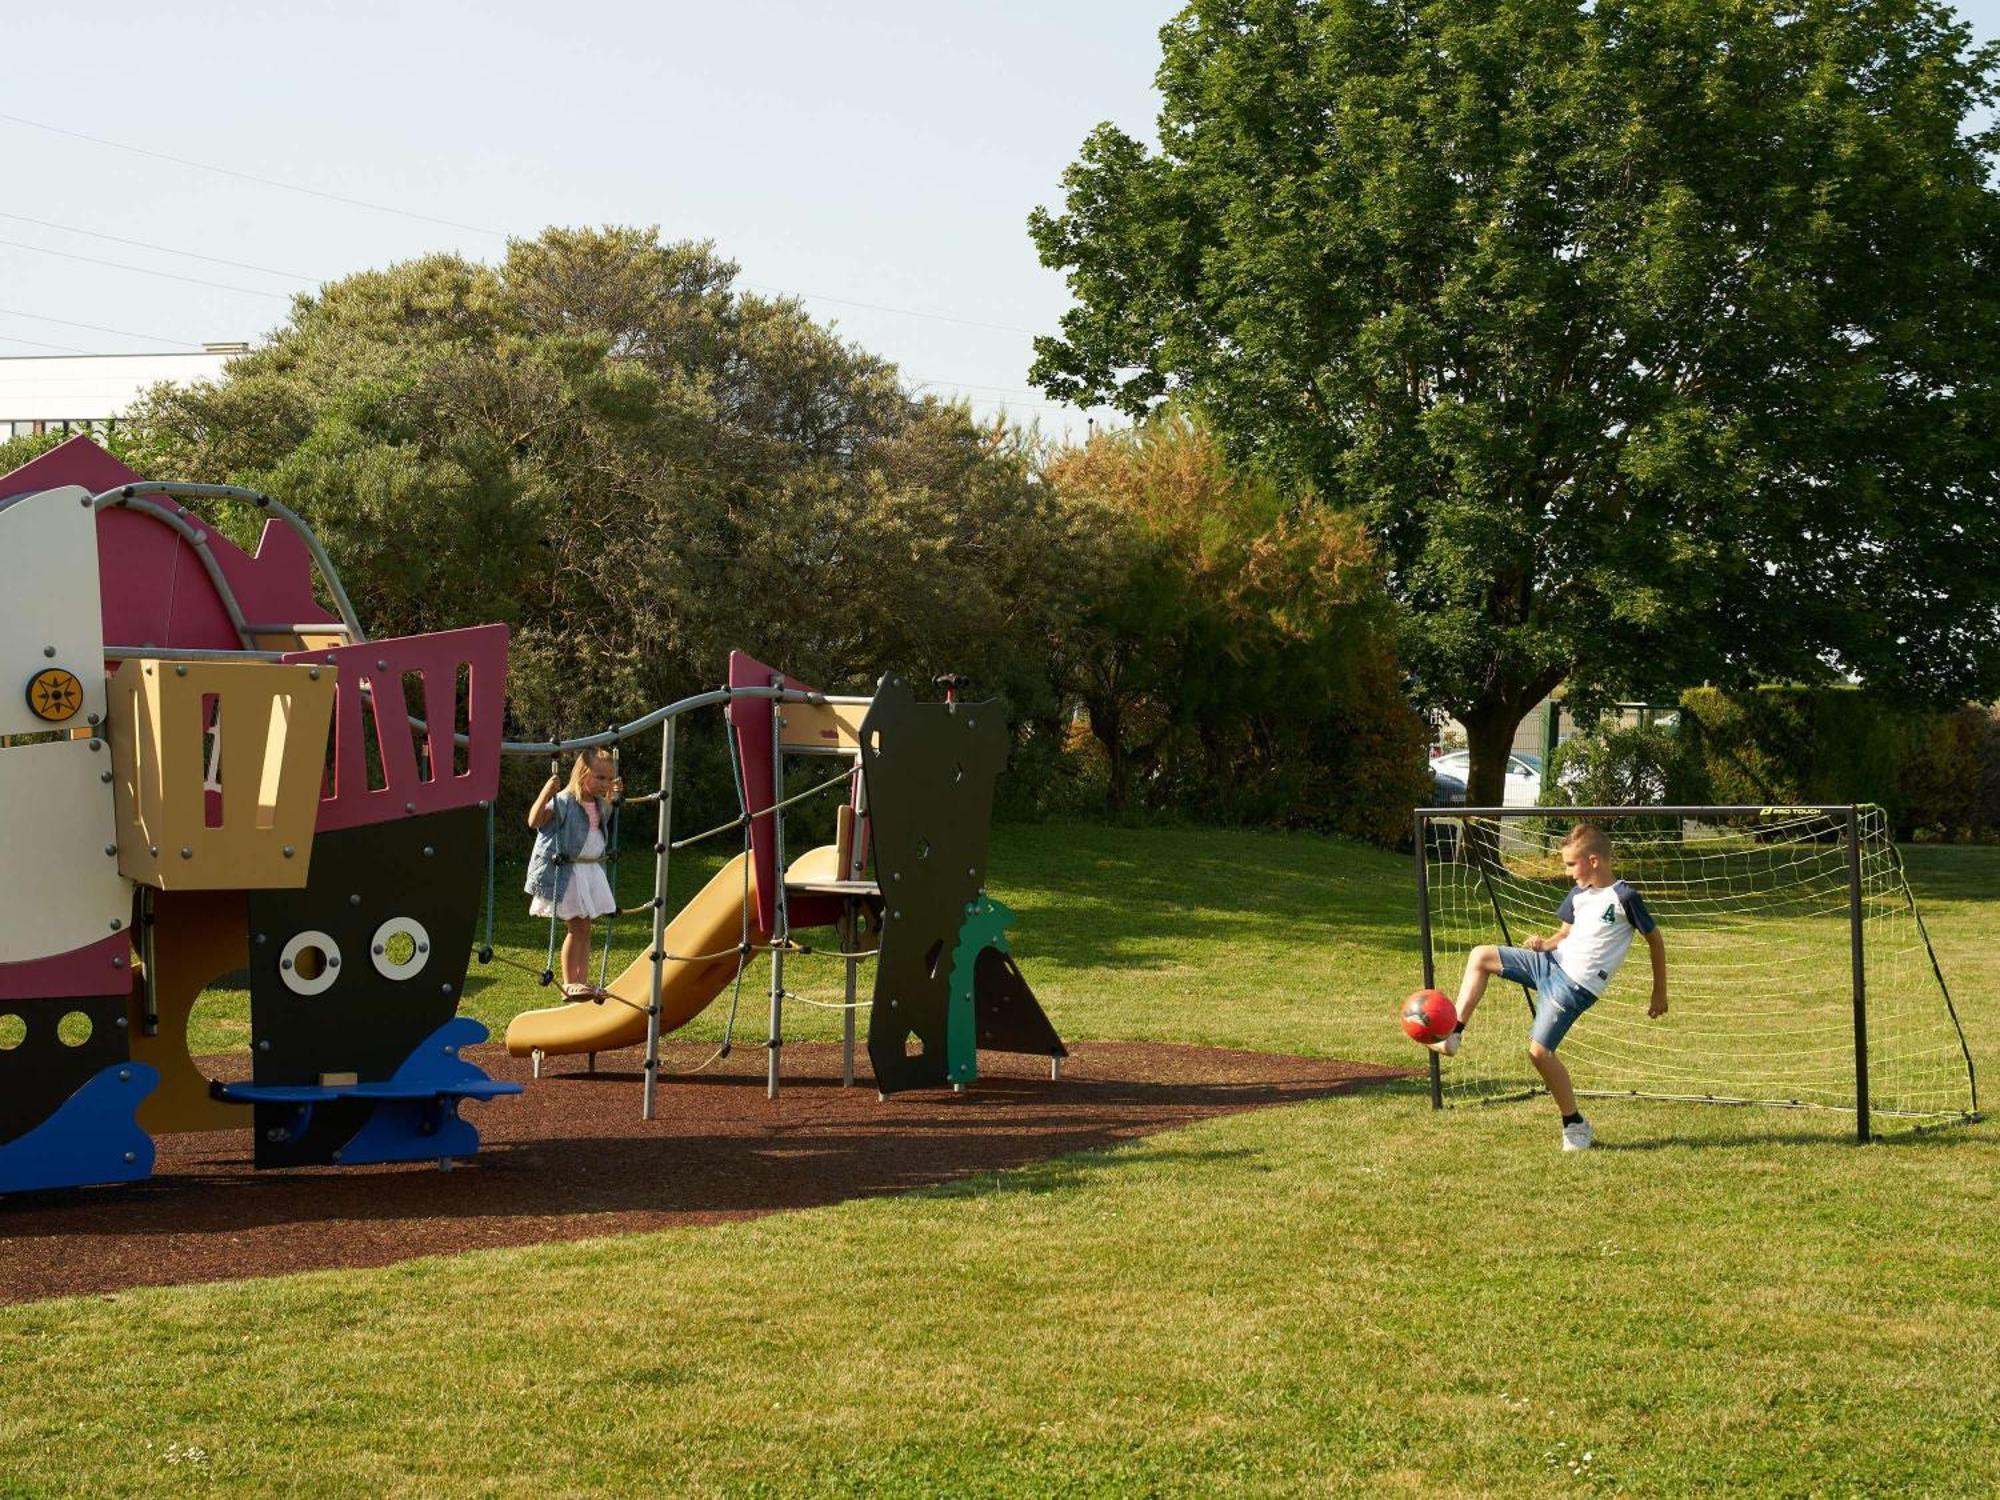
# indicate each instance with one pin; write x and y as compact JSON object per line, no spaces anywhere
{"x":1799,"y":973}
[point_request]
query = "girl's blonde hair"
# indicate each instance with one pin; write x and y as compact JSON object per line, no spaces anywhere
{"x":583,"y":762}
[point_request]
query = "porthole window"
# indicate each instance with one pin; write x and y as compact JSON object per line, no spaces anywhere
{"x":400,"y":948}
{"x":309,"y":963}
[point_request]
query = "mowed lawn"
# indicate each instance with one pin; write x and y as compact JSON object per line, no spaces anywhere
{"x":1354,"y":1294}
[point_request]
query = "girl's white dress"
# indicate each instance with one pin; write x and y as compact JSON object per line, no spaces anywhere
{"x":588,"y":893}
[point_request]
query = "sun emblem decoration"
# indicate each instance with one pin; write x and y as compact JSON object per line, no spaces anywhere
{"x":54,"y":694}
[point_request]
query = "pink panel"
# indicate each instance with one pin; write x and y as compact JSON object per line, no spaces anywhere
{"x":155,"y":590}
{"x":78,"y":461}
{"x":103,"y":968}
{"x":347,"y":801}
{"x":751,"y":719}
{"x":274,"y":587}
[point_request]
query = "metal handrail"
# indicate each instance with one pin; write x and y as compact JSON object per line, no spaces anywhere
{"x":124,"y":494}
{"x":1771,"y":810}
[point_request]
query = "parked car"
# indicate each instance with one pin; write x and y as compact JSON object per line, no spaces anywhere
{"x":1524,"y":779}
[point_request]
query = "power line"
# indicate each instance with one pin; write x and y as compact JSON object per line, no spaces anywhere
{"x":119,"y":265}
{"x":38,"y":344}
{"x":761,"y":287}
{"x":292,"y":187}
{"x":123,"y":333}
{"x":908,"y":312}
{"x":115,"y":239}
{"x":1010,"y":390}
{"x":289,"y":187}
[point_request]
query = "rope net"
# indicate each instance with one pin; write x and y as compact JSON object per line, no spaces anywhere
{"x":1755,"y":912}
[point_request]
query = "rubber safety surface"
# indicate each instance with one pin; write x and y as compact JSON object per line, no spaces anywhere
{"x":570,"y":1158}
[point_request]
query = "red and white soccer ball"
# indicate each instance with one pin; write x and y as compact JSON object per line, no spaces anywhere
{"x":1429,"y":1016}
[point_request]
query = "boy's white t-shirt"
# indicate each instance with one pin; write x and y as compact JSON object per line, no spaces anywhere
{"x":1601,"y":921}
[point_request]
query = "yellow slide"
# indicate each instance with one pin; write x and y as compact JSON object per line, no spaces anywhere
{"x":712,"y":923}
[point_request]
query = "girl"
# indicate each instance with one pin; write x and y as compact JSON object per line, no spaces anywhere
{"x":566,"y":870}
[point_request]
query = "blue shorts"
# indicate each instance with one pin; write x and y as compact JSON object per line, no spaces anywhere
{"x":1559,"y":999}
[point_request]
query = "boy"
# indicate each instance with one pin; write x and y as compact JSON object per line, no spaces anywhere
{"x":1569,"y":969}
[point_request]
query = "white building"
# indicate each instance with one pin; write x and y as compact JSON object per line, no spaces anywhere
{"x":90,"y":392}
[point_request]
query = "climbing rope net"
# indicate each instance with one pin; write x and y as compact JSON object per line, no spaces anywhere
{"x":744,"y":949}
{"x":1798,"y":970}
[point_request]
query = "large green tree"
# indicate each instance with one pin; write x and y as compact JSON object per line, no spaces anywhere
{"x":1654,"y":339}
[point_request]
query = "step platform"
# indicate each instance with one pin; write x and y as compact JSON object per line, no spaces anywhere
{"x":410,"y":1116}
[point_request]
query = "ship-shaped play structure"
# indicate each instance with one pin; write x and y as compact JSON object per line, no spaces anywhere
{"x":207,"y":769}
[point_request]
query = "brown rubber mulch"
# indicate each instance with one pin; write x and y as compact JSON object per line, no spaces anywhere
{"x":570,"y":1158}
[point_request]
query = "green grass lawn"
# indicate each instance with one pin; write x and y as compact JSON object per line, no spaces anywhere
{"x":1352,"y":1294}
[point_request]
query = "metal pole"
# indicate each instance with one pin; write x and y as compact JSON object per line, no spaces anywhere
{"x":149,"y":1019}
{"x":1424,"y":932}
{"x":486,"y":948}
{"x":124,"y":494}
{"x":611,"y":849}
{"x":663,"y":845}
{"x":196,"y":536}
{"x":853,"y":939}
{"x":1860,"y":975}
{"x":1910,"y":904}
{"x":857,"y":865}
{"x":656,"y":717}
{"x":783,"y":926}
{"x":1663,"y":810}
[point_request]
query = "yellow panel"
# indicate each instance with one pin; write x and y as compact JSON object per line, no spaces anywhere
{"x":332,"y":638}
{"x":820,"y":726}
{"x":197,"y":935}
{"x":271,"y":721}
{"x":816,"y":866}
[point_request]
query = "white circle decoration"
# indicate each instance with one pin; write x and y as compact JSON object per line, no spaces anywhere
{"x":420,"y":948}
{"x":328,"y":956}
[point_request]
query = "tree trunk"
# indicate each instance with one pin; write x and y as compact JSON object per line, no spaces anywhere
{"x":1489,"y":737}
{"x":1106,"y":724}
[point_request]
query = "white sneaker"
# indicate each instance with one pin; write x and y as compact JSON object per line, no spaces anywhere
{"x":1447,"y":1046}
{"x":1578,"y":1137}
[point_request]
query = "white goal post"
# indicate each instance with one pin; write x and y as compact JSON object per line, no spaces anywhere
{"x":1799,"y":971}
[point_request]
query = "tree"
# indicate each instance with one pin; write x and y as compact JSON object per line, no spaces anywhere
{"x":1232,"y":651}
{"x":602,"y":443}
{"x":1655,"y":340}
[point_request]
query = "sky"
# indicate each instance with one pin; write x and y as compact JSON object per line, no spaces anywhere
{"x":877,"y":158}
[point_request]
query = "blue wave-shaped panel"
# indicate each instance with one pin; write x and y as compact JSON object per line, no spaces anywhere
{"x":94,"y":1137}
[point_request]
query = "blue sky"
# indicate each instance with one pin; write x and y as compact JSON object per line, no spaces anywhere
{"x":879,"y":158}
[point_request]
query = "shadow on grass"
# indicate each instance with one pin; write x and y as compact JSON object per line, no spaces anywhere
{"x":1952,"y":872}
{"x":1929,"y":1136}
{"x":571,"y":1159}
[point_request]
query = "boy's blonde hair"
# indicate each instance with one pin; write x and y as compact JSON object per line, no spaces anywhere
{"x":1587,"y":838}
{"x":585,"y":759}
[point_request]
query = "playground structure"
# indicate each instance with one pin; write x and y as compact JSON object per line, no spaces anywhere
{"x":208,"y":771}
{"x":919,"y":779}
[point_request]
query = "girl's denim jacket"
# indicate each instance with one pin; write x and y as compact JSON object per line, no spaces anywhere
{"x":557,"y":844}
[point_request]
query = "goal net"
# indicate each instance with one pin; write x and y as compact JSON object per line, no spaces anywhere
{"x":1784,"y":928}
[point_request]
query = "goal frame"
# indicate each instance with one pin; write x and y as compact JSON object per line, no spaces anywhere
{"x":1846,"y":814}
